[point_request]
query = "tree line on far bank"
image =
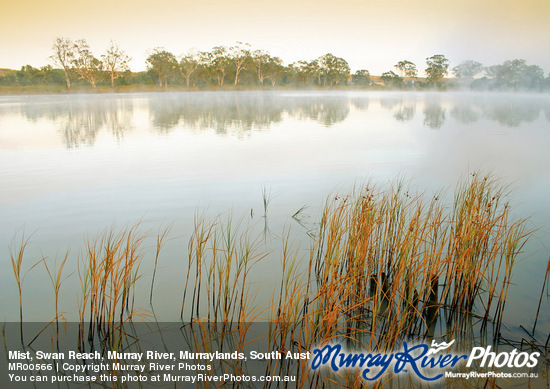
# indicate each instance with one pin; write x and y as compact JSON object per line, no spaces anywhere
{"x":241,"y":66}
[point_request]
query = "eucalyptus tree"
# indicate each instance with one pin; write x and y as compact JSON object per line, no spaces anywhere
{"x":28,"y":75}
{"x":301,"y":72}
{"x":240,"y":57}
{"x":64,"y":53}
{"x":516,"y":74}
{"x":87,"y":66}
{"x":335,"y":70}
{"x":274,"y":70}
{"x":219,"y":63}
{"x":437,"y":69}
{"x":115,"y":62}
{"x":467,"y":70}
{"x":406,"y":69}
{"x":204,"y":73}
{"x":361,"y":77}
{"x":315,"y":70}
{"x":265,"y":66}
{"x":532,"y":77}
{"x":189,"y":64}
{"x":259,"y":60}
{"x":391,"y":79}
{"x":163,"y":64}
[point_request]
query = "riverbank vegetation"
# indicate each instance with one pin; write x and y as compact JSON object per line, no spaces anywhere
{"x":74,"y":67}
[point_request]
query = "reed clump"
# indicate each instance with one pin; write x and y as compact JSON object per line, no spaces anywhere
{"x":384,"y":265}
{"x":17,"y":254}
{"x":108,"y":274}
{"x":387,"y":262}
{"x":222,"y":253}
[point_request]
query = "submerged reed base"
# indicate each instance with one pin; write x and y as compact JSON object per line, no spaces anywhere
{"x":384,"y":266}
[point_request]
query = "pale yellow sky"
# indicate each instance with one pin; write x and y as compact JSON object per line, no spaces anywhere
{"x":369,"y":34}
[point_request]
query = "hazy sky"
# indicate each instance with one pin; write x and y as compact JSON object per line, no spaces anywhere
{"x":369,"y":34}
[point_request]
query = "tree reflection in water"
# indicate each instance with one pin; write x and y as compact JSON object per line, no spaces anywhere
{"x":241,"y":114}
{"x":434,"y":115}
{"x":81,"y":118}
{"x":403,"y":108}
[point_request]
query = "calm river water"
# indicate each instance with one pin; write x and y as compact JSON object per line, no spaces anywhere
{"x":71,"y":166}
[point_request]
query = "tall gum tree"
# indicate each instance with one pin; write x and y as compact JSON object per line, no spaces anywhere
{"x":467,"y":70}
{"x":274,"y":70}
{"x":438,"y":66}
{"x":189,"y":64}
{"x":163,"y":64}
{"x":219,"y":63}
{"x":406,"y":69}
{"x":361,"y":77}
{"x":85,"y":64}
{"x":260,"y":59}
{"x":241,"y":57}
{"x":64,"y":53}
{"x":391,"y":79}
{"x":115,"y":62}
{"x":516,"y":74}
{"x":301,"y":73}
{"x":335,"y":70}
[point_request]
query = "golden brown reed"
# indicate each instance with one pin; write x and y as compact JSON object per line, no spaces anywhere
{"x":221,"y":256}
{"x":384,"y":266}
{"x":17,"y":254}
{"x":110,"y":270}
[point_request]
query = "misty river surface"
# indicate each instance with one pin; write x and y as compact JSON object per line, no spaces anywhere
{"x":74,"y":165}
